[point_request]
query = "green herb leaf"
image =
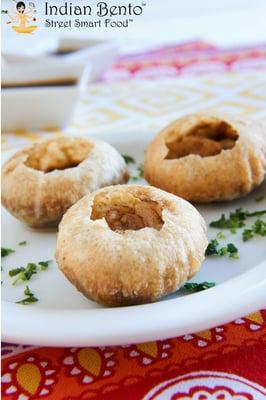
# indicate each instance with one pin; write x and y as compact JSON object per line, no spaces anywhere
{"x":5,"y":251}
{"x":255,"y":213}
{"x":233,"y":251}
{"x":235,"y":220}
{"x":258,"y":228}
{"x":222,"y":251}
{"x":30,"y":270}
{"x":234,"y":256}
{"x":214,"y":250}
{"x":15,"y":271}
{"x":128,"y":159}
{"x":44,"y":264}
{"x":197,"y":287}
{"x":135,"y":178}
{"x":29,"y":299}
{"x":27,"y":291}
{"x":141,"y":170}
{"x":232,"y":223}
{"x":22,"y":243}
{"x":26,"y":273}
{"x":140,"y":175}
{"x":247,"y":234}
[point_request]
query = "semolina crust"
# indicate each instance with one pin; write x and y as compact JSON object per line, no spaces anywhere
{"x":37,"y":194}
{"x":127,"y":266}
{"x":231,"y":173}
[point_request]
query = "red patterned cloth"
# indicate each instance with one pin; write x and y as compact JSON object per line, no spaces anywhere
{"x":224,"y":363}
{"x":188,"y":59}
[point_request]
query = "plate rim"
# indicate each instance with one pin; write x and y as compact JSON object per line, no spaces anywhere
{"x":244,"y":294}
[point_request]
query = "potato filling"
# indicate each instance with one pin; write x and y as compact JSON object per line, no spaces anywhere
{"x":206,"y":137}
{"x":123,"y":211}
{"x":60,"y":153}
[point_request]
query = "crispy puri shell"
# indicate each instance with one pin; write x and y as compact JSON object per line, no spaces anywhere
{"x":129,"y":264}
{"x":37,"y":189}
{"x":182,"y":161}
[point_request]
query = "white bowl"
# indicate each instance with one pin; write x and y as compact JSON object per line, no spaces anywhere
{"x":38,"y":107}
{"x":44,"y":74}
{"x":97,"y":54}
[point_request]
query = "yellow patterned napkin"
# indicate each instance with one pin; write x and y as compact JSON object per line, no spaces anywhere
{"x":149,"y":105}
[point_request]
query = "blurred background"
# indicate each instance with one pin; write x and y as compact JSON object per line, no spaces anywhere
{"x":223,"y":22}
{"x":171,"y":38}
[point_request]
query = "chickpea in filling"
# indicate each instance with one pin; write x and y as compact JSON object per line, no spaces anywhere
{"x":127,"y":211}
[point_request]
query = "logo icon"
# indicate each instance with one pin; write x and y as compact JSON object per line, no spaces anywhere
{"x":22,"y":17}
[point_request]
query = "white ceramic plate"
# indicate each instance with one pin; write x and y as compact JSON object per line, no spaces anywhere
{"x":64,"y":317}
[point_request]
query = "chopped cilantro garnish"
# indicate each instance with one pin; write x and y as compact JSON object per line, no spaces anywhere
{"x":235,"y":220}
{"x":44,"y":264}
{"x":258,"y":228}
{"x":255,"y":213}
{"x":15,"y":271}
{"x":141,"y":170}
{"x":24,"y":274}
{"x":140,"y":174}
{"x":247,"y":234}
{"x":27,"y":291}
{"x":233,"y":251}
{"x":222,"y":251}
{"x":5,"y":251}
{"x":197,"y":287}
{"x":29,"y":299}
{"x":128,"y":159}
{"x":135,"y":178}
{"x":22,"y":243}
{"x":213,"y":250}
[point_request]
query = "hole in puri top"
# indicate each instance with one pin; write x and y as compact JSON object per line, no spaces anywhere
{"x":125,"y":210}
{"x":205,"y":137}
{"x":58,"y":154}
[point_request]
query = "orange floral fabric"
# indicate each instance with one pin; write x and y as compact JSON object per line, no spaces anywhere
{"x":236,"y":351}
